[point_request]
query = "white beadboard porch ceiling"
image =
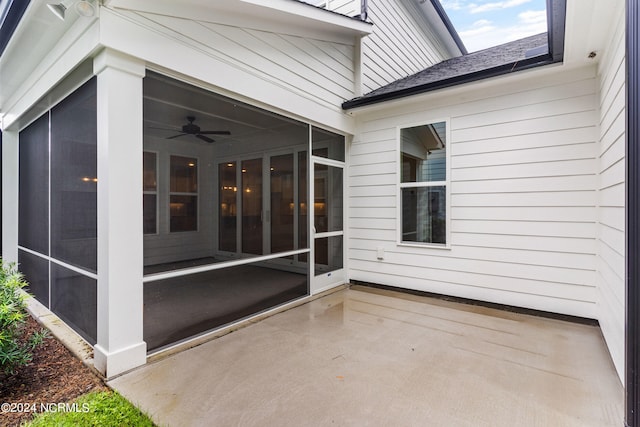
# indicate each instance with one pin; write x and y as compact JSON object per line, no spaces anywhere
{"x":168,"y":103}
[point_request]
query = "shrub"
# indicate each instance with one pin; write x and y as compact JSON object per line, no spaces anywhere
{"x":15,"y":348}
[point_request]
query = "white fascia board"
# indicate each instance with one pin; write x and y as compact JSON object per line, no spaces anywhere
{"x":283,"y":16}
{"x":477,"y":90}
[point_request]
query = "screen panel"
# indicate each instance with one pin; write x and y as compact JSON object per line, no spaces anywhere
{"x":74,"y":179}
{"x":74,"y":297}
{"x":33,"y":200}
{"x":36,"y":273}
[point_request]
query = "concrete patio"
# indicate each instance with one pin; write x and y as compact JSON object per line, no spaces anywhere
{"x":366,"y":356}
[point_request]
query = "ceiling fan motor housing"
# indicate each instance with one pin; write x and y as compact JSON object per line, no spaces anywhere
{"x":190,"y":128}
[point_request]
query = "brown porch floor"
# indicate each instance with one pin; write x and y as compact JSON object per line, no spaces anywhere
{"x":367,"y":357}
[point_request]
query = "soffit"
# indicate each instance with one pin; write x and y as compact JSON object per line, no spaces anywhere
{"x":283,"y":16}
{"x":590,"y":25}
{"x":36,"y":35}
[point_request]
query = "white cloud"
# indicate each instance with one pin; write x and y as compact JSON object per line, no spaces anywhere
{"x":477,"y":34}
{"x":475,"y":8}
{"x":483,"y":33}
{"x":478,"y":28}
{"x":481,"y":23}
{"x":533,"y":17}
{"x":453,"y":4}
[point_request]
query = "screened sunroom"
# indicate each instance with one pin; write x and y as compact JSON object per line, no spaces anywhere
{"x":237,"y":216}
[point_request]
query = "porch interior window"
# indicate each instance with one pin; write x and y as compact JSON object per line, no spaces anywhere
{"x":150,"y":192}
{"x":282,"y":203}
{"x":183,"y":197}
{"x":228,"y":213}
{"x":252,"y":209}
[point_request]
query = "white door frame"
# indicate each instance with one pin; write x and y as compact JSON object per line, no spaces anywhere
{"x":329,"y":279}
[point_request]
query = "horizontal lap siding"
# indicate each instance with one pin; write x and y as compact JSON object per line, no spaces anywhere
{"x":316,"y":69}
{"x":523,"y":198}
{"x":401,"y":44}
{"x":611,"y":196}
{"x":345,"y":7}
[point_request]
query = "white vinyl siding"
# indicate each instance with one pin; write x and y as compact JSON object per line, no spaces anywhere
{"x":611,"y":195}
{"x":523,"y":199}
{"x":401,"y":44}
{"x":345,"y":7}
{"x":255,"y":63}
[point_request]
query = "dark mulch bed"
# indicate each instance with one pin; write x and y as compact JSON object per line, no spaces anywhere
{"x":53,"y":376}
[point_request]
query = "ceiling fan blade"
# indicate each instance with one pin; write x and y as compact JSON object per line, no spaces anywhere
{"x":214,"y":132}
{"x":204,"y":138}
{"x":175,"y":136}
{"x":159,"y":128}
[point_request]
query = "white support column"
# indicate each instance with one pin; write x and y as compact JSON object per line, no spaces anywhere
{"x":10,"y":196}
{"x":120,"y":344}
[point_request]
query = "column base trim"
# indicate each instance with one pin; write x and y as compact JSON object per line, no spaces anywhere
{"x":112,"y":364}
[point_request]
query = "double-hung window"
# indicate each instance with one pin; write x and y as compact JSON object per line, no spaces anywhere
{"x":183,"y":194}
{"x":423,"y":184}
{"x":150,"y":192}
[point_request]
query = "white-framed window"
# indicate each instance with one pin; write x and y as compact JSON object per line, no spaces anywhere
{"x":423,"y":191}
{"x":183,"y":194}
{"x":150,"y":192}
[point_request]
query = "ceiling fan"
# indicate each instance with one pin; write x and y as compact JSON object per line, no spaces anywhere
{"x":193,"y":129}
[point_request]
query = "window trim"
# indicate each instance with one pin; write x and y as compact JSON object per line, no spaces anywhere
{"x":179,"y":193}
{"x":155,"y":192}
{"x":401,"y":185}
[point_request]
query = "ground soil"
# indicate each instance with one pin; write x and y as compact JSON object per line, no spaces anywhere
{"x":53,"y":376}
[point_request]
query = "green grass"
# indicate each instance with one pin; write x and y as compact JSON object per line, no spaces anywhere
{"x":107,"y":408}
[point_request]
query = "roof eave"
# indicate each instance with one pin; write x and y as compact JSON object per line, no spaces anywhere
{"x":501,"y":70}
{"x":286,"y":14}
{"x":556,"y":22}
{"x":450,"y":28}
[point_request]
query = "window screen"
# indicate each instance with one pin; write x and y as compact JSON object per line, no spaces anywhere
{"x":33,"y":201}
{"x":74,"y":297}
{"x":74,"y":178}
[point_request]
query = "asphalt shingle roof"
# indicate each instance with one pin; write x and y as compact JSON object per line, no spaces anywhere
{"x":529,"y":50}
